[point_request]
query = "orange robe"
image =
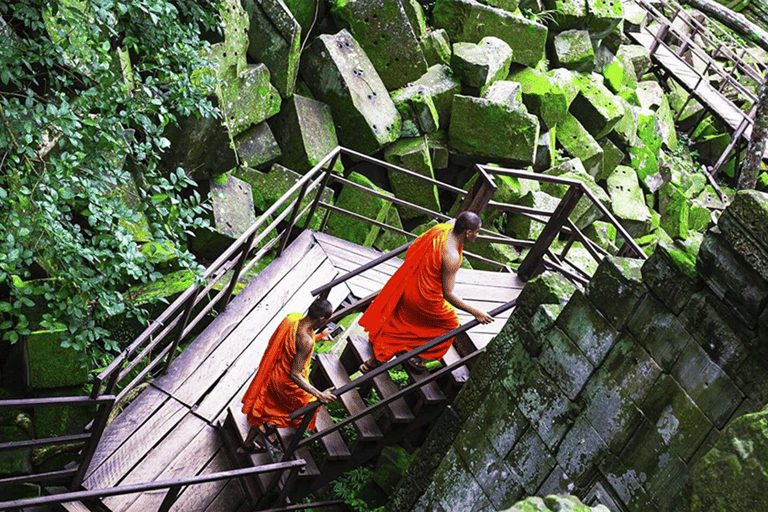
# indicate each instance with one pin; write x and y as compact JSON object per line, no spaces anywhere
{"x":272,"y":394}
{"x":410,"y":310}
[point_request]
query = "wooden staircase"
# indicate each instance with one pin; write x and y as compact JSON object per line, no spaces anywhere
{"x":408,"y":417}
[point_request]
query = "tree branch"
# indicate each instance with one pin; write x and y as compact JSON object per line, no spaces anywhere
{"x":733,"y":20}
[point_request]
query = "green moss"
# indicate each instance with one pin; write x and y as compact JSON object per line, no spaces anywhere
{"x":683,"y":262}
{"x":220,"y":179}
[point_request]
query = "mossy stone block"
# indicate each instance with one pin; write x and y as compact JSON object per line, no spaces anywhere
{"x":750,"y":207}
{"x":414,"y":155}
{"x":417,"y":109}
{"x":651,"y":173}
{"x":341,"y":75}
{"x":356,"y":201}
{"x":579,"y":143}
{"x":541,"y":96}
{"x":480,"y":65}
{"x":626,"y":483}
{"x":305,"y":132}
{"x":436,"y":46}
{"x":564,"y":362}
{"x":616,"y":288}
{"x":628,"y":201}
{"x":247,"y":98}
{"x":634,"y":380}
{"x":307,"y":12}
{"x":742,"y":243}
{"x":274,"y":38}
{"x":469,"y":20}
{"x":500,"y":253}
{"x":532,"y":460}
{"x":585,"y":212}
{"x":201,"y":146}
{"x":612,"y":158}
{"x":565,"y":80}
{"x":587,"y":327}
{"x":637,"y":56}
{"x":439,"y":84}
{"x":455,"y":486}
{"x":49,"y":365}
{"x":257,"y":146}
{"x":595,"y":106}
{"x":546,"y":151}
{"x":483,"y":128}
{"x":674,"y":210}
{"x":670,"y":273}
{"x":625,"y":131}
{"x":505,"y":92}
{"x":567,"y":13}
{"x":603,"y":234}
{"x":573,"y":50}
{"x":579,"y":454}
{"x":526,"y":228}
{"x":385,"y":34}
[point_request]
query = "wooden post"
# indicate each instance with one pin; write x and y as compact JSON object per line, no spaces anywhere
{"x":99,"y":424}
{"x":238,"y":268}
{"x":292,"y":221}
{"x":660,"y":35}
{"x":482,"y":191}
{"x":182,"y":325}
{"x":530,"y":266}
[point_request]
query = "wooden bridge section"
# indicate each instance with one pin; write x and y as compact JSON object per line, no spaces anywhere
{"x":170,"y":429}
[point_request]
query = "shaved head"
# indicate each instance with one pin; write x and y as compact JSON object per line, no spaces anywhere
{"x":467,"y":221}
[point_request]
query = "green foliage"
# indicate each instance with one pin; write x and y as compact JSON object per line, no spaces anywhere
{"x":87,"y":89}
{"x":349,"y":485}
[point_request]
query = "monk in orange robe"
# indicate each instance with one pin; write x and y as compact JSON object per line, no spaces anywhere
{"x":417,"y":303}
{"x":281,"y":384}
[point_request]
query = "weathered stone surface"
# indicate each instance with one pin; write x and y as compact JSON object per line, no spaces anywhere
{"x":541,"y":96}
{"x":732,"y":476}
{"x":257,"y":147}
{"x":480,"y":65}
{"x":567,"y":13}
{"x":304,"y":129}
{"x":612,"y":158}
{"x":307,"y":12}
{"x":674,"y":209}
{"x":506,"y":93}
{"x":586,"y":211}
{"x":274,"y":39}
{"x":436,"y":47}
{"x":468,"y":20}
{"x":455,"y":487}
{"x":587,"y":328}
{"x":616,"y":288}
{"x":525,"y":228}
{"x":637,"y":56}
{"x":626,"y":483}
{"x":581,"y":451}
{"x":385,"y":34}
{"x":390,"y":240}
{"x":645,"y":163}
{"x":49,"y":365}
{"x":573,"y":50}
{"x":564,"y":362}
{"x":499,"y":420}
{"x":616,"y":75}
{"x":531,"y":460}
{"x":566,"y":81}
{"x":200,"y":146}
{"x":634,"y":379}
{"x":375,"y":208}
{"x":418,"y":113}
{"x":731,"y":278}
{"x":483,"y":128}
{"x":659,"y":332}
{"x":628,"y":202}
{"x":439,"y":84}
{"x":579,"y":143}
{"x":624,"y":133}
{"x":340,"y":74}
{"x":750,"y":209}
{"x":670,"y":273}
{"x":648,"y":129}
{"x":595,"y":106}
{"x":247,"y":98}
{"x":546,"y":288}
{"x":546,"y":150}
{"x":603,"y":234}
{"x":412,"y":154}
{"x":605,"y":15}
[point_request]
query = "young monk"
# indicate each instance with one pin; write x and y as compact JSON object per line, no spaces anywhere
{"x":281,"y":384}
{"x":417,"y":303}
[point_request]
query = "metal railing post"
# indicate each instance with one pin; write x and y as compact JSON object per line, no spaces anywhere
{"x":238,"y":268}
{"x":99,"y":424}
{"x":183,"y":325}
{"x":292,"y":221}
{"x":319,"y":196}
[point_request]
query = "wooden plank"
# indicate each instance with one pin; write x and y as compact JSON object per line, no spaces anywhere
{"x":230,"y":498}
{"x":333,"y":443}
{"x":459,"y":375}
{"x":73,"y":506}
{"x":190,"y":461}
{"x":198,"y":497}
{"x":263,"y":284}
{"x":157,"y":458}
{"x":398,"y":410}
{"x":351,"y":400}
{"x":240,"y":340}
{"x":310,"y":470}
{"x":240,"y":427}
{"x":126,"y":423}
{"x":243,"y":368}
{"x":140,"y":441}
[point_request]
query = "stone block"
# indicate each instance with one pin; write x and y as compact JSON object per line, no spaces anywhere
{"x":557,"y":483}
{"x":498,"y":420}
{"x":605,"y":16}
{"x":546,"y":288}
{"x":468,"y":20}
{"x":419,"y":115}
{"x":436,"y":46}
{"x":711,"y":389}
{"x":612,"y":158}
{"x":603,"y":234}
{"x":615,"y":74}
{"x":750,"y":209}
{"x":617,"y":288}
{"x":359,"y":202}
{"x":731,"y":278}
{"x":670,"y":273}
{"x":626,"y":483}
{"x":589,"y":329}
{"x":628,"y":202}
{"x":274,"y":39}
{"x":566,"y":81}
{"x":741,"y":242}
{"x":567,"y":13}
{"x":532,"y":460}
{"x":637,"y":56}
{"x":632,"y":368}
{"x":564,"y":362}
{"x":722,"y":336}
{"x":455,"y":487}
{"x":506,"y":93}
{"x":541,"y":96}
{"x":624,"y":132}
{"x":526,"y":228}
{"x":438,"y":84}
{"x":573,"y":50}
{"x":201,"y":146}
{"x":257,"y":146}
{"x":386,"y":35}
{"x":649,"y":170}
{"x":660,"y":470}
{"x":595,"y":106}
{"x":305,"y":132}
{"x":247,"y":98}
{"x":412,"y":154}
{"x":546,"y":151}
{"x":609,"y":410}
{"x":752,"y":380}
{"x":676,"y":418}
{"x":391,"y":240}
{"x":49,"y":365}
{"x":586,"y":211}
{"x":578,"y":143}
{"x":480,"y":65}
{"x":544,"y":317}
{"x":581,"y":451}
{"x":674,"y":209}
{"x":340,"y":74}
{"x":658,"y":330}
{"x":483,"y":128}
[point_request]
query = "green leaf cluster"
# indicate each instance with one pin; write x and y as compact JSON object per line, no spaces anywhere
{"x":87,"y":90}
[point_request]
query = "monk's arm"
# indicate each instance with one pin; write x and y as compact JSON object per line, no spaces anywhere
{"x":451,"y":265}
{"x":303,"y":351}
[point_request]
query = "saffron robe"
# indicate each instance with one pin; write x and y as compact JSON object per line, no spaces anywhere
{"x":410,"y":310}
{"x":272,"y":394}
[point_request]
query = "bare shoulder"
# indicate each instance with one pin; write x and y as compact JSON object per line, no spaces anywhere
{"x":303,"y":340}
{"x":451,"y":258}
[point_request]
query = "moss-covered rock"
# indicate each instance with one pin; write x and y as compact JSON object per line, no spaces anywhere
{"x":257,"y":146}
{"x":603,"y":234}
{"x":578,"y":143}
{"x":628,"y":202}
{"x":541,"y":96}
{"x":389,"y":240}
{"x":414,"y":155}
{"x":526,"y":228}
{"x":356,"y":201}
{"x":439,"y":84}
{"x":595,"y":106}
{"x":573,"y":50}
{"x":604,"y":16}
{"x":636,"y":56}
{"x":385,"y":33}
{"x":436,"y":46}
{"x":480,"y":65}
{"x":50,"y":365}
{"x":674,"y":210}
{"x":585,"y":212}
{"x":247,"y":98}
{"x":643,"y":160}
{"x":567,"y":14}
{"x":546,"y":288}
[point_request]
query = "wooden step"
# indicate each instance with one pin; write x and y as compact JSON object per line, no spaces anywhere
{"x":351,"y":400}
{"x":398,"y":410}
{"x":334,"y":444}
{"x":233,"y":433}
{"x":459,"y":375}
{"x":310,"y":470}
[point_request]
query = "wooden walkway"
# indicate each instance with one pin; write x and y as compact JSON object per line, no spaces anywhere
{"x":169,"y":430}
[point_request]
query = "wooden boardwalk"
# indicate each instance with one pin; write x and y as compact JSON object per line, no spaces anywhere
{"x":169,"y":430}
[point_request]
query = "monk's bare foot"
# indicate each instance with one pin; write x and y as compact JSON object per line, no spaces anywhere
{"x":269,"y":431}
{"x":250,"y":449}
{"x":369,"y":365}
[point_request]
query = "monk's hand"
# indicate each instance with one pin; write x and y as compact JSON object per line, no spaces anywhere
{"x":483,"y":317}
{"x":326,"y":396}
